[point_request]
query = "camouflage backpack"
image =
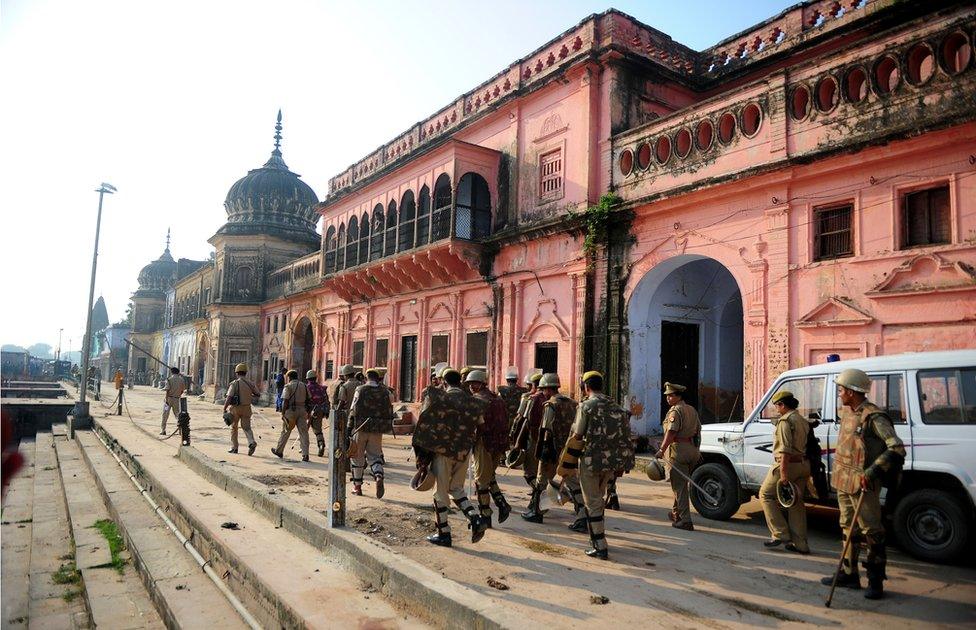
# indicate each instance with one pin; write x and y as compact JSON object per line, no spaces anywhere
{"x":449,"y":424}
{"x":512,"y":395}
{"x":494,"y":432}
{"x":607,"y":444}
{"x":373,"y":411}
{"x":565,"y":413}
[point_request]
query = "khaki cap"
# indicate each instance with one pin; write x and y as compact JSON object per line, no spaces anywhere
{"x":534,"y":378}
{"x":780,"y":395}
{"x":587,"y":376}
{"x":240,"y":368}
{"x":674,"y":388}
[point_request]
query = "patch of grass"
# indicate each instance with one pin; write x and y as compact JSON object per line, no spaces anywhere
{"x":67,"y":574}
{"x":541,"y":547}
{"x":116,"y":544}
{"x":70,"y":595}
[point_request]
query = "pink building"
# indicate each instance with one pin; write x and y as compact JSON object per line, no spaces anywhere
{"x":803,"y":188}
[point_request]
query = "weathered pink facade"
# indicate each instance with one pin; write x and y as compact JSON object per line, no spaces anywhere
{"x":803,"y":189}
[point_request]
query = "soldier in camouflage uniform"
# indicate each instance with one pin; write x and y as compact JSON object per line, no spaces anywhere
{"x":679,"y":449}
{"x":511,"y":393}
{"x":528,"y":425}
{"x":445,"y":434}
{"x":604,"y":428}
{"x":319,"y":407}
{"x":490,"y":447}
{"x":293,"y":415}
{"x":558,"y":415}
{"x":435,"y":389}
{"x":464,"y":378}
{"x":370,"y":416}
{"x":867,"y":450}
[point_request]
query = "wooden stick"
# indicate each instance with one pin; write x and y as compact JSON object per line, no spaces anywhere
{"x":847,"y":546}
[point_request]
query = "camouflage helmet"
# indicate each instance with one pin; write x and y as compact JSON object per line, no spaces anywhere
{"x":228,"y":418}
{"x":311,"y":374}
{"x":423,"y":480}
{"x":347,"y":370}
{"x":549,"y":379}
{"x":855,"y":380}
{"x":655,"y":470}
{"x":240,"y":368}
{"x":476,"y":376}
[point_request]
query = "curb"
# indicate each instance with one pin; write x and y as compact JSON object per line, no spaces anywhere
{"x":406,"y":582}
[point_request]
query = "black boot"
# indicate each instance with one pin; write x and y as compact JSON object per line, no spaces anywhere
{"x":251,"y":447}
{"x":613,"y":503}
{"x":533,"y":515}
{"x":321,"y":443}
{"x":844,"y":580}
{"x":476,"y":523}
{"x":602,"y":554}
{"x":443,"y":536}
{"x":874,"y":566}
{"x":579,"y":525}
{"x":439,"y":539}
{"x":504,"y":509}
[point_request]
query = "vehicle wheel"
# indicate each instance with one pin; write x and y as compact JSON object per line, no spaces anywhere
{"x":721,"y":484}
{"x":931,"y":525}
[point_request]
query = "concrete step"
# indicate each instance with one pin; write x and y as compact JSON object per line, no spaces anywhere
{"x":55,"y":588}
{"x":183,"y":594}
{"x":15,"y":541}
{"x":284,"y":581}
{"x":116,"y":597}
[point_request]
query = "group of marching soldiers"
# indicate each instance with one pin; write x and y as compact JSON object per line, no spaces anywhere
{"x":586,"y":445}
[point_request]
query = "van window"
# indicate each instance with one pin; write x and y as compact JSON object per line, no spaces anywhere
{"x":948,"y":396}
{"x":887,"y":392}
{"x":808,"y":391}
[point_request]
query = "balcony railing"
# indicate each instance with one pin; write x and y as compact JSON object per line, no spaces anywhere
{"x":297,"y":276}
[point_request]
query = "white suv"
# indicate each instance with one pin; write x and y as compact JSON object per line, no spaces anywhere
{"x":931,"y":399}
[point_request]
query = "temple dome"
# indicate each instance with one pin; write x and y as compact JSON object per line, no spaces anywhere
{"x":271,"y":196}
{"x":160,"y":274}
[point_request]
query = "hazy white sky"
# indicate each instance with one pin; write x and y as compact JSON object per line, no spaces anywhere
{"x":173,"y":101}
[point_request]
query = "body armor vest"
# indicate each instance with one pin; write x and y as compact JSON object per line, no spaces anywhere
{"x":373,"y":407}
{"x":607,"y":442}
{"x":856,"y":445}
{"x":564,"y":409}
{"x":512,"y":395}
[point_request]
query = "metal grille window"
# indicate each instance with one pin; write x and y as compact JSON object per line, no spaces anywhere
{"x":551,"y":174}
{"x":441,"y":218}
{"x":329,"y":368}
{"x":330,"y":250}
{"x":408,"y":209}
{"x":832,"y":227}
{"x":423,"y":217}
{"x":379,"y":230}
{"x":364,"y":239}
{"x":382,"y":352}
{"x":476,"y":349}
{"x":358,"y":348}
{"x":391,"y":229}
{"x":472,"y":214}
{"x":352,"y":243}
{"x":925,"y":217}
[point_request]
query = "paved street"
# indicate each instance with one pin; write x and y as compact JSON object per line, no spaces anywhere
{"x":718,"y":576}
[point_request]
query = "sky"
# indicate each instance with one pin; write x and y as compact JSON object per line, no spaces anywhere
{"x":172,"y":102}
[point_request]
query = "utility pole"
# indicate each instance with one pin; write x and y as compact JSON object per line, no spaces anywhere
{"x":57,"y":353}
{"x":81,"y":407}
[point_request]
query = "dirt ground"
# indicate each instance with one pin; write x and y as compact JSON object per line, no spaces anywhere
{"x":720,"y":575}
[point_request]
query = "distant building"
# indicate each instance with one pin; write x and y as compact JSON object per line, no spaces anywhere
{"x":802,"y":188}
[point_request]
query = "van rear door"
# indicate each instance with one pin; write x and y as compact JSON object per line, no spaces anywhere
{"x":944,"y":434}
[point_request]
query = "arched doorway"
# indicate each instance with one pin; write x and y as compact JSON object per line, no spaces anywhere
{"x":302,"y":347}
{"x":685,"y":319}
{"x":201,"y":363}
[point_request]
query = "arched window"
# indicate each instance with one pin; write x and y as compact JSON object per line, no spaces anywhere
{"x":364,"y":238}
{"x":408,"y":209}
{"x":379,"y":227}
{"x":389,"y":247}
{"x":330,"y":249}
{"x":423,"y":217}
{"x":341,"y":247}
{"x":473,"y":208}
{"x":352,"y":243}
{"x":441,"y":216}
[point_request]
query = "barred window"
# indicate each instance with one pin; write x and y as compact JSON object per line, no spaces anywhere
{"x":925,"y":217}
{"x":358,"y":348}
{"x":551,"y":174}
{"x":832,"y":227}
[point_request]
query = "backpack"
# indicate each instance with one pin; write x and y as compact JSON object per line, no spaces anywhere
{"x":818,"y":471}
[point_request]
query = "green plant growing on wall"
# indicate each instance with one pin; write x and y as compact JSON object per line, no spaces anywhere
{"x":596,"y":221}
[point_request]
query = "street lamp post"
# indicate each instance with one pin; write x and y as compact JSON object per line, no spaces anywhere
{"x":57,"y":354}
{"x":81,"y":407}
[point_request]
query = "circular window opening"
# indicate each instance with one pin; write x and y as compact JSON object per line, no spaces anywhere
{"x":856,"y":85}
{"x":827,"y":94}
{"x":643,"y":155}
{"x":751,"y":119}
{"x":726,"y":128}
{"x":800,"y":103}
{"x":682,"y":143}
{"x":704,"y":135}
{"x":662,"y":149}
{"x":921,"y":64}
{"x":627,"y":162}
{"x":886,"y":75}
{"x":956,"y":53}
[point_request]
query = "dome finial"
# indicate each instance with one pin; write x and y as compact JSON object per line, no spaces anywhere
{"x":277,"y":135}
{"x":276,"y":161}
{"x":167,"y":239}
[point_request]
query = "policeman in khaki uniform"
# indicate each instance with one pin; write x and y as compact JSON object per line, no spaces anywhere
{"x":240,"y":395}
{"x":446,"y":432}
{"x":489,"y":447}
{"x":175,"y":386}
{"x":680,"y":450}
{"x":792,"y":466}
{"x":558,"y":415}
{"x":319,"y":403}
{"x":293,"y":415}
{"x":867,"y":449}
{"x":601,"y":437}
{"x":370,"y":416}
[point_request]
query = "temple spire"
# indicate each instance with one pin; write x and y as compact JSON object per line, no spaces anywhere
{"x":167,"y":239}
{"x":276,"y":161}
{"x":277,"y":136}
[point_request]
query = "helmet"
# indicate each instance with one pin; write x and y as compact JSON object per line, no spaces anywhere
{"x":655,"y":470}
{"x":375,"y":372}
{"x":311,"y":374}
{"x":476,"y":376}
{"x":347,"y":370}
{"x":515,"y":458}
{"x":511,"y":374}
{"x":533,"y":379}
{"x":549,"y":380}
{"x":423,"y":480}
{"x":228,"y":418}
{"x":240,"y":368}
{"x":855,"y":380}
{"x":786,"y":494}
{"x":467,"y":369}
